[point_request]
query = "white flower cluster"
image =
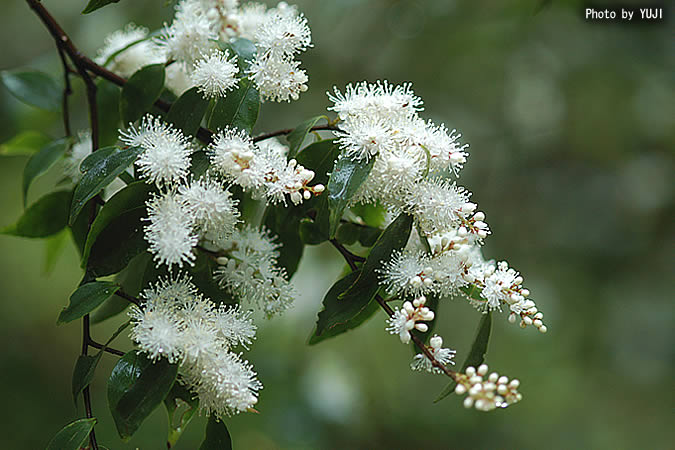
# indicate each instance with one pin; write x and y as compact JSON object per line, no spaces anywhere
{"x":487,"y":393}
{"x":127,"y":50}
{"x":442,"y":355}
{"x":215,"y":74}
{"x":177,"y":323}
{"x":262,"y":168}
{"x":250,"y":271}
{"x":409,"y":317}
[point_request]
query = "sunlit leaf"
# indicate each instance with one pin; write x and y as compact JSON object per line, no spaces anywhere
{"x":73,"y":435}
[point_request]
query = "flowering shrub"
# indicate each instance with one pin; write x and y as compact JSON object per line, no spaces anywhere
{"x":176,"y":187}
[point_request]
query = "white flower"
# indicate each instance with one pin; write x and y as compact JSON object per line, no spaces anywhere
{"x":166,"y":156}
{"x":78,"y":152}
{"x":215,"y":74}
{"x":366,"y":136}
{"x":278,"y":79}
{"x":131,"y":49}
{"x":381,"y":99}
{"x":438,"y":205}
{"x":407,"y":273}
{"x":283,"y":35}
{"x":235,"y":326}
{"x":410,"y":317}
{"x":190,"y":35}
{"x":170,"y":232}
{"x":442,"y":355}
{"x":231,"y":153}
{"x":487,"y":392}
{"x":211,"y":207}
{"x":177,"y":79}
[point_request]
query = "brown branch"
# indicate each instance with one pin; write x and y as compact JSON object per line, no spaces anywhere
{"x":349,"y":257}
{"x":286,"y":131}
{"x":105,"y":348}
{"x":67,"y":91}
{"x":127,"y":297}
{"x":86,"y":396}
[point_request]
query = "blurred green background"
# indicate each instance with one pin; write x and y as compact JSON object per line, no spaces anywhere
{"x":571,"y":126}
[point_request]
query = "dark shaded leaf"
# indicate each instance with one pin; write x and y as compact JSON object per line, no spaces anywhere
{"x":187,"y":112}
{"x":239,"y":109}
{"x":199,"y":163}
{"x":135,"y":388}
{"x":73,"y":435}
{"x":93,"y":5}
{"x":202,"y":277}
{"x":311,"y":233}
{"x":181,"y":406}
{"x":40,"y":162}
{"x":217,"y":437}
{"x":141,"y":91}
{"x":296,"y":137}
{"x":129,"y":199}
{"x":85,"y":368}
{"x":393,"y":238}
{"x":24,"y":143}
{"x":131,"y":280}
{"x":33,"y":88}
{"x":87,"y":298}
{"x":46,"y":217}
{"x":346,"y":178}
{"x":348,"y":233}
{"x":104,"y":166}
{"x":80,"y":228}
{"x":53,"y":249}
{"x":339,"y":316}
{"x":477,"y":353}
{"x":109,"y":121}
{"x":284,"y":223}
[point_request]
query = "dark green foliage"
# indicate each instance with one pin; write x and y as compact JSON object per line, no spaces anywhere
{"x":141,"y":92}
{"x":87,"y":298}
{"x":296,"y":137}
{"x":181,"y":406}
{"x":33,"y":88}
{"x":93,"y":5}
{"x":345,"y":179}
{"x":239,"y":109}
{"x":73,"y":436}
{"x":41,"y":161}
{"x":217,"y":436}
{"x":46,"y":217}
{"x":107,"y":101}
{"x":187,"y":112}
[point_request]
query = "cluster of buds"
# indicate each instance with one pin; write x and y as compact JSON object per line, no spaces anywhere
{"x":441,"y":355}
{"x":298,"y":189}
{"x":531,"y":316}
{"x":474,"y":225}
{"x":487,"y":393}
{"x":409,"y":317}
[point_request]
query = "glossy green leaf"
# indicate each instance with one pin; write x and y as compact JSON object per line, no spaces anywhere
{"x":85,"y":368}
{"x":477,"y":353}
{"x":141,"y":91}
{"x":393,"y":238}
{"x":108,"y":164}
{"x":46,"y":217}
{"x":346,"y":178}
{"x":239,"y":109}
{"x":181,"y":406}
{"x":25,"y":143}
{"x":93,"y":5}
{"x":187,"y":112}
{"x":34,"y":88}
{"x":109,"y":121}
{"x":135,"y":388}
{"x":311,"y":233}
{"x":87,"y":298}
{"x":368,"y":235}
{"x":217,"y":436}
{"x":73,"y":436}
{"x":54,"y":246}
{"x":80,"y":228}
{"x":338,"y":316}
{"x":131,"y":198}
{"x":296,"y":137}
{"x":41,"y":161}
{"x":118,"y":243}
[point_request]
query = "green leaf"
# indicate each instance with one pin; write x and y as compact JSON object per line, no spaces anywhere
{"x":243,"y":48}
{"x":186,"y":113}
{"x":129,"y":199}
{"x":199,"y":163}
{"x":217,"y":437}
{"x":107,"y":164}
{"x":40,"y":162}
{"x":296,"y":137}
{"x":347,"y":176}
{"x":131,"y":279}
{"x":93,"y":5}
{"x":135,"y":388}
{"x":33,"y":88}
{"x":373,"y":215}
{"x":477,"y":353}
{"x":87,"y":298}
{"x":141,"y":92}
{"x":80,"y":228}
{"x":85,"y":368}
{"x":73,"y":435}
{"x":24,"y":143}
{"x":348,"y":233}
{"x":54,"y":246}
{"x":109,"y":122}
{"x":311,"y":233}
{"x":393,"y":238}
{"x":339,"y":316}
{"x":368,"y":235}
{"x":239,"y":109}
{"x":181,"y":406}
{"x":46,"y":217}
{"x":284,"y":223}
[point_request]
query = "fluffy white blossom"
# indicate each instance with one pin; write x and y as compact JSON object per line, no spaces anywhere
{"x":442,"y":355}
{"x":211,"y":207}
{"x":382,"y":100}
{"x":170,"y":233}
{"x":127,"y":50}
{"x":77,"y":153}
{"x":409,"y":317}
{"x":283,"y":35}
{"x":261,"y":169}
{"x":215,"y":74}
{"x":278,"y":79}
{"x":250,"y":271}
{"x":439,"y":205}
{"x":487,"y":392}
{"x":166,"y":156}
{"x":190,"y":35}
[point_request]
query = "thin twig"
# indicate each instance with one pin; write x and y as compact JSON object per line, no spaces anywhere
{"x":86,"y":396}
{"x":286,"y":131}
{"x":105,"y":348}
{"x":67,"y":91}
{"x":127,"y":297}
